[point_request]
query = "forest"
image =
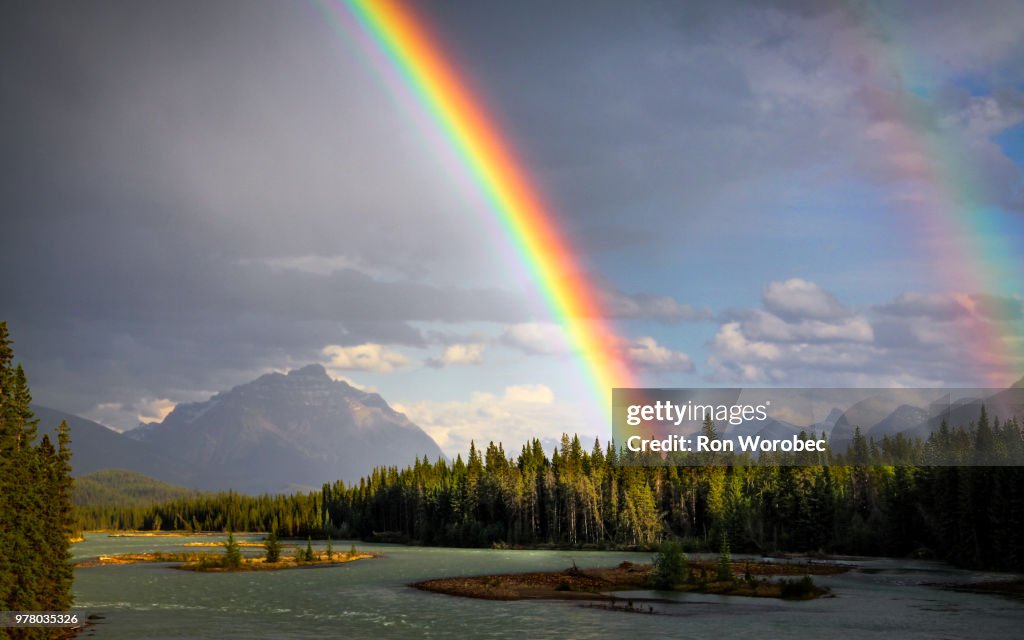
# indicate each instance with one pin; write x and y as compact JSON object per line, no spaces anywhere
{"x":870,"y":501}
{"x":36,"y":515}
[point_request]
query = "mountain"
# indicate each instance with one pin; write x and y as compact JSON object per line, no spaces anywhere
{"x":910,"y":421}
{"x":1003,"y":404}
{"x":124,"y":488}
{"x":770,"y":428}
{"x":778,"y":429}
{"x":95,"y":447}
{"x":283,"y":432}
{"x":823,"y":427}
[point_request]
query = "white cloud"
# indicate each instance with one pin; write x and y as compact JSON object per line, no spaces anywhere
{"x":365,"y":357}
{"x":112,"y":414}
{"x":914,"y":340}
{"x":325,"y":265}
{"x":984,"y":116}
{"x":800,"y":298}
{"x":650,"y":306}
{"x":540,"y":338}
{"x":519,"y":414}
{"x":643,"y":352}
{"x":530,"y":394}
{"x":315,"y":265}
{"x":469,"y":353}
{"x":154,"y":409}
{"x":354,"y":384}
{"x":646,"y":353}
{"x":125,"y":415}
{"x":732,"y":342}
{"x":763,"y":325}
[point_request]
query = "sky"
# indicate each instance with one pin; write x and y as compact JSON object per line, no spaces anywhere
{"x":781,"y":193}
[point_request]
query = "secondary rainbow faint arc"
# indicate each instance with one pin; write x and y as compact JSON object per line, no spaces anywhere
{"x":975,"y":256}
{"x":514,"y":200}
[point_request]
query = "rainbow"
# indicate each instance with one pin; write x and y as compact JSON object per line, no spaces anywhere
{"x":490,"y":161}
{"x":944,"y":212}
{"x":943,"y":206}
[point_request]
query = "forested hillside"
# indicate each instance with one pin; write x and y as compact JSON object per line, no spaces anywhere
{"x":123,"y":487}
{"x":969,"y":515}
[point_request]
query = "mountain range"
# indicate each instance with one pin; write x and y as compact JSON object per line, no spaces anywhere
{"x":885,"y":412}
{"x":295,"y":431}
{"x":280,"y":432}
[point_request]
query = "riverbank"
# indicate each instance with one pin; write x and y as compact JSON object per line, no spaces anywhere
{"x":240,"y":544}
{"x":157,"y":534}
{"x":214,"y":563}
{"x":598,"y":584}
{"x":1013,"y":588}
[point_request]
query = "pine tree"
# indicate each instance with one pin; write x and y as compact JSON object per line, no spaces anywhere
{"x":232,"y":553}
{"x":669,"y":565}
{"x":36,"y":516}
{"x":8,"y":473}
{"x":725,"y":561}
{"x":273,"y":547}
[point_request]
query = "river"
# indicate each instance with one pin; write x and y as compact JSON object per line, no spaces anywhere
{"x":370,"y":599}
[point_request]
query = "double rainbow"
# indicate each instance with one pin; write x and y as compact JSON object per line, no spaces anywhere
{"x":970,"y":255}
{"x":503,"y":182}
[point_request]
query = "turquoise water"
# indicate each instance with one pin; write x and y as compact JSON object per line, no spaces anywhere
{"x":370,"y":599}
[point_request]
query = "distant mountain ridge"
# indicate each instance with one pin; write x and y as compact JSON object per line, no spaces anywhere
{"x":287,"y":431}
{"x":95,"y":447}
{"x":278,"y":433}
{"x":879,"y":413}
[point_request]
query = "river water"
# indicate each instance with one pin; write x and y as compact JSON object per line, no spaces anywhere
{"x":370,"y":599}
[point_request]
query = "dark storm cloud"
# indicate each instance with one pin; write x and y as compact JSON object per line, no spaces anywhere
{"x":158,"y":158}
{"x":161,"y":162}
{"x":608,"y":116}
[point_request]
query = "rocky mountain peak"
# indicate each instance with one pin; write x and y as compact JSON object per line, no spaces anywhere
{"x":300,"y":428}
{"x":310,"y":371}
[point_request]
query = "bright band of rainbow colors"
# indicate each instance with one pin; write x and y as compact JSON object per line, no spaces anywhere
{"x":506,"y":186}
{"x":948,"y":212}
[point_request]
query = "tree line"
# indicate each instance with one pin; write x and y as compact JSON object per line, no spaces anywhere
{"x":36,"y":515}
{"x":863,"y":503}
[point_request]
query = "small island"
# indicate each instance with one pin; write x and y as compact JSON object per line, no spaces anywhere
{"x":670,"y":572}
{"x":156,"y":534}
{"x":232,"y":559}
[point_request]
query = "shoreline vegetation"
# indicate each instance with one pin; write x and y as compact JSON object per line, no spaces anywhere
{"x":112,"y":533}
{"x":746,"y":578}
{"x":214,"y":563}
{"x":870,"y":502}
{"x":749,"y":578}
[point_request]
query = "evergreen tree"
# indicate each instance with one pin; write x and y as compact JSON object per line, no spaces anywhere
{"x":36,"y":517}
{"x":273,"y":547}
{"x":724,"y":561}
{"x":669,"y":565}
{"x":232,"y":552}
